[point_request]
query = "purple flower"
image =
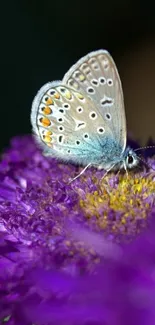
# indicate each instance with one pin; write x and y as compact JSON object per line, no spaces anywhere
{"x":79,"y":253}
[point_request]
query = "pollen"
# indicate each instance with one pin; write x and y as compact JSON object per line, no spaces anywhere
{"x":122,"y":210}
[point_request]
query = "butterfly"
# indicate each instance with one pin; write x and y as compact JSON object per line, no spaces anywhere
{"x":81,"y":119}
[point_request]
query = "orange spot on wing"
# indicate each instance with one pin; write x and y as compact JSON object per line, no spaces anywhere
{"x":45,"y":121}
{"x":47,"y":138}
{"x":47,"y":110}
{"x":57,"y":96}
{"x":49,"y":133}
{"x":50,"y":101}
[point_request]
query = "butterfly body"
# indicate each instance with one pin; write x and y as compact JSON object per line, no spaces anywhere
{"x":81,"y":119}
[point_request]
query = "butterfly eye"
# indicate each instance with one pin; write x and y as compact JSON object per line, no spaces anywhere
{"x":100,"y":130}
{"x":108,"y":116}
{"x":130,"y":159}
{"x":93,"y":115}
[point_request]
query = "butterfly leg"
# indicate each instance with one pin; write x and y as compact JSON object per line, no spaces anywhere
{"x":126,"y":169}
{"x":118,"y":172}
{"x":106,"y":186}
{"x":83,"y":170}
{"x":107,"y":172}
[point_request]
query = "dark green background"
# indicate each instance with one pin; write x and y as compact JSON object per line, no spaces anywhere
{"x":40,"y":40}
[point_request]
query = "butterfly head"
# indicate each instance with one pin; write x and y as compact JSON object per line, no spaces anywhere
{"x":130,"y":159}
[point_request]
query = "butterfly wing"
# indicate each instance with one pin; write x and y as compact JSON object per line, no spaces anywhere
{"x":68,"y":124}
{"x":97,"y":76}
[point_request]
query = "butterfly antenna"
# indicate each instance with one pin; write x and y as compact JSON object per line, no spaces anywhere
{"x":143,"y":148}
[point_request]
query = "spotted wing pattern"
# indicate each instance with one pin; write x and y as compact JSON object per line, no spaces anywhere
{"x":96,"y":75}
{"x":81,"y":118}
{"x":68,"y":124}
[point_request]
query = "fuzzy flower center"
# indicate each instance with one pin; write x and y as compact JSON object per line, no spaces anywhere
{"x":121,"y":209}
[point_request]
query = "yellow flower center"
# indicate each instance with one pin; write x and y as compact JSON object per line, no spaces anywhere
{"x":121,"y":209}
